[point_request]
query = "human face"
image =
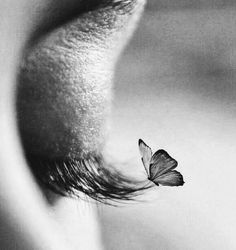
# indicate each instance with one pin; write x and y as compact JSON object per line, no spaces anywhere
{"x":63,"y":60}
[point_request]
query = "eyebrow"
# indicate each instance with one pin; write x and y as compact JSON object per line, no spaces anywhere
{"x":65,"y":15}
{"x":90,"y":175}
{"x":125,"y":4}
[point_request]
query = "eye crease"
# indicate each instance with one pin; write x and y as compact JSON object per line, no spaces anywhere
{"x":64,"y":98}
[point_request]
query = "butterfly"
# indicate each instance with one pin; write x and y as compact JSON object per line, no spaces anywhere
{"x":159,"y":166}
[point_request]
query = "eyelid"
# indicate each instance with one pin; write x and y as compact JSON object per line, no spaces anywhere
{"x":90,"y":175}
{"x":76,"y":60}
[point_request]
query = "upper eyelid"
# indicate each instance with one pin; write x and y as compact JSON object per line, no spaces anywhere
{"x":125,"y":191}
{"x":31,"y":92}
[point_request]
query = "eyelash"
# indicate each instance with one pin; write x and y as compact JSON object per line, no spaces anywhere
{"x":90,"y":175}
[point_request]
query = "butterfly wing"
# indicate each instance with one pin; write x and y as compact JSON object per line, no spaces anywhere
{"x":171,"y":178}
{"x":146,"y":154}
{"x":161,"y":163}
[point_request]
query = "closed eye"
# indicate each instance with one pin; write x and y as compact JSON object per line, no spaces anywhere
{"x":64,"y":95}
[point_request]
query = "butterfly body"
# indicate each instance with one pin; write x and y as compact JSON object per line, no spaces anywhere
{"x":160,"y":166}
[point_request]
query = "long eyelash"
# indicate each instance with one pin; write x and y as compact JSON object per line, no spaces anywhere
{"x":89,"y":175}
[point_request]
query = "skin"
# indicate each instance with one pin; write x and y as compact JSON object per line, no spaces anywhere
{"x":179,"y":94}
{"x":45,"y":52}
{"x":203,"y":214}
{"x":65,"y":83}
